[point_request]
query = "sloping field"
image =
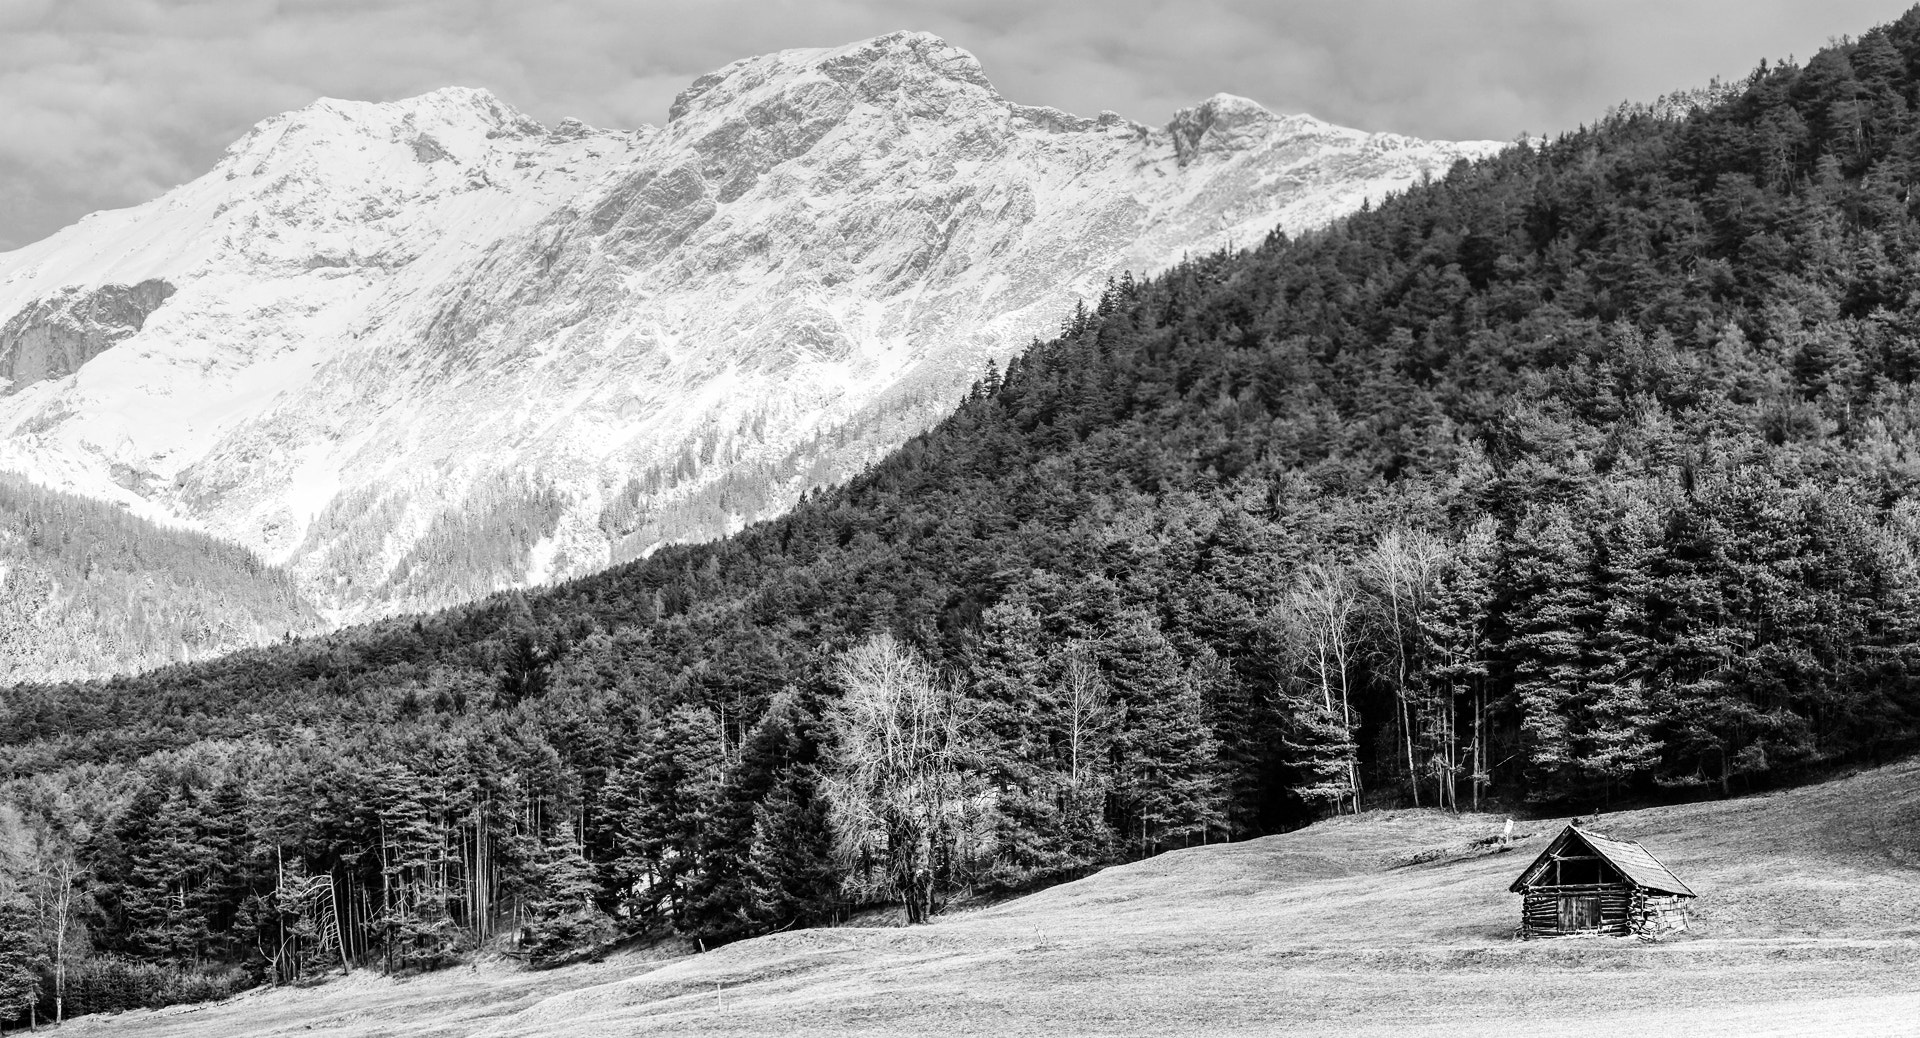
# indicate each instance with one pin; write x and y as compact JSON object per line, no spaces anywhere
{"x":1388,"y":924}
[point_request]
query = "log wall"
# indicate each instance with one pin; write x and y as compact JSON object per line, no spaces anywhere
{"x":1624,"y":909}
{"x":1540,"y":909}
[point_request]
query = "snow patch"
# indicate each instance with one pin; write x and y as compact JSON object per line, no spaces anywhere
{"x":540,"y":563}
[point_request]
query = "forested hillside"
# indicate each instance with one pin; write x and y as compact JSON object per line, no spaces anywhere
{"x":87,"y":590}
{"x":1586,"y":473}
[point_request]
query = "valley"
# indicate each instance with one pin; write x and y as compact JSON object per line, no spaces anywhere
{"x":1808,"y":923}
{"x":1162,"y":666}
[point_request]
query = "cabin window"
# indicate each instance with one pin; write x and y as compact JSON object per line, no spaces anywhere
{"x":1579,"y":913}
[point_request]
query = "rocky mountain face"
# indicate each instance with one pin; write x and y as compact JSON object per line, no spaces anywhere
{"x":53,"y":336}
{"x":414,"y":352}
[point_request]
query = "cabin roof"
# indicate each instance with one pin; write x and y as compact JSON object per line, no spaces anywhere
{"x":1632,"y":860}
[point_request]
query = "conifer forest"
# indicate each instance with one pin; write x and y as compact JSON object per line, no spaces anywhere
{"x":1585,"y":475}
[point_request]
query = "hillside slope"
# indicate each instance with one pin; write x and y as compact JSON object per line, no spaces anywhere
{"x":424,"y":350}
{"x":1809,"y":922}
{"x":88,"y":590}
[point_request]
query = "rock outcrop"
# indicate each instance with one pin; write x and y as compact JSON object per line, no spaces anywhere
{"x":52,"y":337}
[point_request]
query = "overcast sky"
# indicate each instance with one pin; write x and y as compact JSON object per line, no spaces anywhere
{"x":110,"y":102}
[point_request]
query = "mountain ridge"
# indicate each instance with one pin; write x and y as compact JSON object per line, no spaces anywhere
{"x":391,"y":320}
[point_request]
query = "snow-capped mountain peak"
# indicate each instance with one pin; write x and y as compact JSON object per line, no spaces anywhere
{"x":454,"y":126}
{"x":421,"y":349}
{"x":897,"y":63}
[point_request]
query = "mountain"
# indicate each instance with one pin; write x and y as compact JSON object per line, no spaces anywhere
{"x":418,"y":351}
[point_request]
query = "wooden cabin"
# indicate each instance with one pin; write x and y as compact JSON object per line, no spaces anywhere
{"x":1585,"y":883}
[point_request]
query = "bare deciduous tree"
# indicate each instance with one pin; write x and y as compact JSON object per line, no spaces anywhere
{"x":1400,"y":573}
{"x":1087,"y":720}
{"x":1320,"y":614}
{"x":41,"y":866}
{"x":896,"y":793}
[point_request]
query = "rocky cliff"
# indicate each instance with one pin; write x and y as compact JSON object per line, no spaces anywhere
{"x":52,"y":337}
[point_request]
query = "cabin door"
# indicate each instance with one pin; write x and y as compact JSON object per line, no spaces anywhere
{"x":1580,"y":913}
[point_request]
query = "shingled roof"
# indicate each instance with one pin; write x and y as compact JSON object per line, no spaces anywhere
{"x":1631,"y":859}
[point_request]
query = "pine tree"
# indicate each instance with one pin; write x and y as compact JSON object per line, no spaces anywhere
{"x":791,"y":872}
{"x":1165,"y":779}
{"x":1456,"y":627}
{"x":1698,"y":633}
{"x":562,"y":914}
{"x":1551,"y":618}
{"x":1618,"y":743}
{"x":1015,"y":719}
{"x":670,"y":793}
{"x":170,"y":873}
{"x":21,"y":957}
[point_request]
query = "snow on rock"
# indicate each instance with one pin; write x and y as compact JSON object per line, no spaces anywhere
{"x":422,"y":349}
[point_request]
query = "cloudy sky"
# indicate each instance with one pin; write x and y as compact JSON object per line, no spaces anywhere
{"x":110,"y":102}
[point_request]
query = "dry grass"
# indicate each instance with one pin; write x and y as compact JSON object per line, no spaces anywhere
{"x":1809,"y":923}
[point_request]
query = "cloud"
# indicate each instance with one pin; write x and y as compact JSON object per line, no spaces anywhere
{"x":109,"y":102}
